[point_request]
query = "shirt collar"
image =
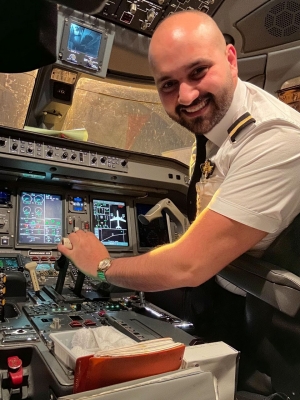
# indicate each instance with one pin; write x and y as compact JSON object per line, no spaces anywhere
{"x":219,"y":132}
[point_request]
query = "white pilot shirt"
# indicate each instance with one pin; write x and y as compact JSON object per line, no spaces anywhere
{"x":256,"y":179}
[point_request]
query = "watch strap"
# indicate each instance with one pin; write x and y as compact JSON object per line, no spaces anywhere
{"x":103,"y":266}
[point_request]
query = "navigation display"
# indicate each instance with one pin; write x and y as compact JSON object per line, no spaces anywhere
{"x":40,"y":218}
{"x":110,"y":222}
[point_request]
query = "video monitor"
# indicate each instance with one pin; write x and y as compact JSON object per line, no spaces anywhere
{"x":154,"y":234}
{"x":110,"y":223}
{"x":40,"y":218}
{"x":84,"y":40}
{"x":85,"y":45}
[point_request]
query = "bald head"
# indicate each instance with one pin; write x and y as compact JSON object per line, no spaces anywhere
{"x":183,"y":26}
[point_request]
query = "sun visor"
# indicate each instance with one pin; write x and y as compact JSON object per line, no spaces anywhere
{"x":28,"y":30}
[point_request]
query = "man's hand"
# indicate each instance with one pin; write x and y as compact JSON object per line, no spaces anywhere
{"x":86,"y":252}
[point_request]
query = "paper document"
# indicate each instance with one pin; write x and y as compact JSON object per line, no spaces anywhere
{"x":75,"y":134}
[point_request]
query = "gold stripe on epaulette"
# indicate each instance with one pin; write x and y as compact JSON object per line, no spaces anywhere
{"x":245,"y":120}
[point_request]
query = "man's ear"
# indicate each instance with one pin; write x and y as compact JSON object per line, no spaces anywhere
{"x":232,"y":56}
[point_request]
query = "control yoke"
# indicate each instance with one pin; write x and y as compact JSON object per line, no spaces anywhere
{"x":178,"y":218}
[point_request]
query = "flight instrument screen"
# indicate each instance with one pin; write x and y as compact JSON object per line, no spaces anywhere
{"x":110,"y":222}
{"x":40,"y":218}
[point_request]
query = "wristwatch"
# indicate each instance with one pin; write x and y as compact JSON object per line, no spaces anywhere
{"x":103,"y":266}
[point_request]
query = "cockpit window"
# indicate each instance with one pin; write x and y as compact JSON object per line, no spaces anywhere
{"x":128,"y":118}
{"x":115,"y":115}
{"x":15,"y":95}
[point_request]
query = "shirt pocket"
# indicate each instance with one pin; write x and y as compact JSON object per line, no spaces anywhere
{"x":206,"y":189}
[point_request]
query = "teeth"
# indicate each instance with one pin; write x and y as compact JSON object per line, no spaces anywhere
{"x":197,"y":107}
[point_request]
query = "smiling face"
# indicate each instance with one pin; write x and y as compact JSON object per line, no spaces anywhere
{"x":194,"y":71}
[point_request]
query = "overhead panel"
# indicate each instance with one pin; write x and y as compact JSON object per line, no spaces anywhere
{"x":142,"y":16}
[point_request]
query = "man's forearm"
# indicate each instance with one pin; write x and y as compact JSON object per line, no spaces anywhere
{"x":153,"y":271}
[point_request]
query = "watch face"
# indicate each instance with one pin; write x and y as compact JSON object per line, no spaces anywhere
{"x":104,"y":264}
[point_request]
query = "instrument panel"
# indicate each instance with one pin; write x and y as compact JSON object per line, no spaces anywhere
{"x":45,"y":194}
{"x":143,"y":16}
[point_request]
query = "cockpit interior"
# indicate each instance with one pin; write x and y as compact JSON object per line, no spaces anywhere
{"x":85,"y":143}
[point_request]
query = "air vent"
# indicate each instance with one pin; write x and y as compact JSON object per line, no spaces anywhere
{"x":283,"y":19}
{"x":274,"y":23}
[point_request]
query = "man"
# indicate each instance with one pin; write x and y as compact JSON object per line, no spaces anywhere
{"x":250,"y":186}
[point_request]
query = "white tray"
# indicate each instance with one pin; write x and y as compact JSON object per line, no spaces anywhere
{"x":62,"y":347}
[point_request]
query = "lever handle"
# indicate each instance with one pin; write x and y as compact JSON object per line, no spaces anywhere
{"x":31,"y":267}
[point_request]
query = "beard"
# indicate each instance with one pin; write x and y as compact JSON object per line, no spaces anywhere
{"x":218,"y":107}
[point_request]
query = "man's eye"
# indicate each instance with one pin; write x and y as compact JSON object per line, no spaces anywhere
{"x":168,"y":86}
{"x":199,"y":72}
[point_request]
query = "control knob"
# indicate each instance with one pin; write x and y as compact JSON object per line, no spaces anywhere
{"x":133,"y":8}
{"x":150,"y":15}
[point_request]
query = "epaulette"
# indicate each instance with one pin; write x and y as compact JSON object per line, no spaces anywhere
{"x":245,"y":120}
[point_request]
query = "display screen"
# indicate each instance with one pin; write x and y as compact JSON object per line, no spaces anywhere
{"x":78,"y":204}
{"x":8,"y":262}
{"x":84,"y":40}
{"x":4,"y":197}
{"x":40,"y":218}
{"x":155,"y":233}
{"x":110,"y":222}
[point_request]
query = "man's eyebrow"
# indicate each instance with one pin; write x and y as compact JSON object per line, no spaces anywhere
{"x":199,"y":62}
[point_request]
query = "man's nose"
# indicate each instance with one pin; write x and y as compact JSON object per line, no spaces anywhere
{"x":187,"y":93}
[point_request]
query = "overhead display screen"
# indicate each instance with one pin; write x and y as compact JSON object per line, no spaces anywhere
{"x":83,"y":40}
{"x":40,"y":218}
{"x":110,"y":223}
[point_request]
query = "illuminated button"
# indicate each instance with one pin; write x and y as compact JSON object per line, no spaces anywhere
{"x":75,"y":324}
{"x":89,"y":322}
{"x":4,"y":241}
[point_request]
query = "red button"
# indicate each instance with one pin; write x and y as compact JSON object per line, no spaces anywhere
{"x":15,"y":370}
